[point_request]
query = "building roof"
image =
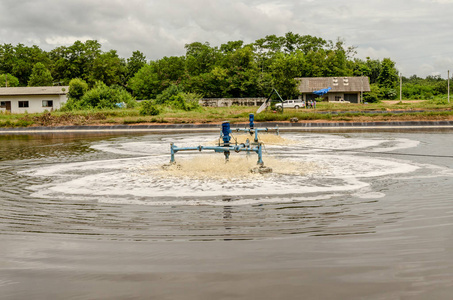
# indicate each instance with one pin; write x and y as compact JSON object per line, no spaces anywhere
{"x":34,"y":90}
{"x":338,"y":84}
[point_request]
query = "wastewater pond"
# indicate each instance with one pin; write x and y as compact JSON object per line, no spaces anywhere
{"x":342,"y":215}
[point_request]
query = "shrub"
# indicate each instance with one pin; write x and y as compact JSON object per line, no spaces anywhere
{"x":388,"y":93}
{"x":148,"y":108}
{"x":373,"y":95}
{"x":175,"y":98}
{"x":168,"y":94}
{"x":370,"y":97}
{"x":439,"y":101}
{"x":102,"y":97}
{"x":77,"y":88}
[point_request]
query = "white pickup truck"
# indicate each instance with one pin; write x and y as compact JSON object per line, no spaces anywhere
{"x":297,"y":103}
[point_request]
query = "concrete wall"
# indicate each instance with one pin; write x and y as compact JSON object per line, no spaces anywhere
{"x":227,"y":102}
{"x":34,"y":103}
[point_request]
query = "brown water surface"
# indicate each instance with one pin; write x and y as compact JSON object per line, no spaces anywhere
{"x":358,"y":215}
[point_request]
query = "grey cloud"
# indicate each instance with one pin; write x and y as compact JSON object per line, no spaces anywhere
{"x":414,"y":33}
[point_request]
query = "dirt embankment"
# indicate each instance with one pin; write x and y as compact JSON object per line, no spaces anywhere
{"x":101,"y":119}
{"x":68,"y":119}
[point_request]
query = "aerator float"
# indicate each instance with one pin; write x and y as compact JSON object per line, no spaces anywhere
{"x":226,"y":146}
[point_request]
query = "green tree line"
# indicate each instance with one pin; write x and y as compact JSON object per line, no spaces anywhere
{"x":233,"y":69}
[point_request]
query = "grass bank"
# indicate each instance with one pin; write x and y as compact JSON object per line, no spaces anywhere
{"x":324,"y":112}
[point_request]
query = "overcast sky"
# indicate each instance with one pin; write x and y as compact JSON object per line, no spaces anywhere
{"x":416,"y":34}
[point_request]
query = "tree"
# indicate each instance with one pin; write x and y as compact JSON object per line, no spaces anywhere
{"x":7,"y":58}
{"x":76,"y":61}
{"x":77,"y":88}
{"x":309,"y":43}
{"x":415,"y":87}
{"x":315,"y":61}
{"x":40,"y":76}
{"x":231,"y":70}
{"x":242,"y":73}
{"x":231,"y":46}
{"x":10,"y":81}
{"x":61,"y":69}
{"x":156,"y":76}
{"x":271,"y":44}
{"x":234,"y":73}
{"x":284,"y":71}
{"x":109,"y":68}
{"x":374,"y":66}
{"x":170,"y":70}
{"x":145,"y":84}
{"x":336,"y":61}
{"x":19,"y":60}
{"x":200,"y":58}
{"x":135,"y":63}
{"x":388,"y":77}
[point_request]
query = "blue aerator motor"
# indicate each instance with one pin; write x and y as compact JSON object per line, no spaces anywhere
{"x":251,"y":121}
{"x":226,"y":133}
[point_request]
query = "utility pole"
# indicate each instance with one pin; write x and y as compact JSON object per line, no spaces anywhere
{"x":448,"y":86}
{"x":6,"y":80}
{"x":361,"y":89}
{"x":401,"y":88}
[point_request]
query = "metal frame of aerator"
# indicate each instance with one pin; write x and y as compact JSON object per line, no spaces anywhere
{"x":224,"y":147}
{"x":252,"y":130}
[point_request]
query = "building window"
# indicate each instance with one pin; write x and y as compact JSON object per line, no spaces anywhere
{"x":47,"y":103}
{"x":23,"y":103}
{"x":2,"y":104}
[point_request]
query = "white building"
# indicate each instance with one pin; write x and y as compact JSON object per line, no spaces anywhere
{"x":18,"y":100}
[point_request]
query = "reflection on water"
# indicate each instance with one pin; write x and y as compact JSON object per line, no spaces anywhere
{"x":338,"y":210}
{"x":44,"y":146}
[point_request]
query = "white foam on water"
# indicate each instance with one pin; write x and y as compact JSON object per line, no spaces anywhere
{"x":398,"y":144}
{"x":214,"y":202}
{"x":433,"y":171}
{"x":305,"y":167}
{"x":133,"y":148}
{"x":368,"y":193}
